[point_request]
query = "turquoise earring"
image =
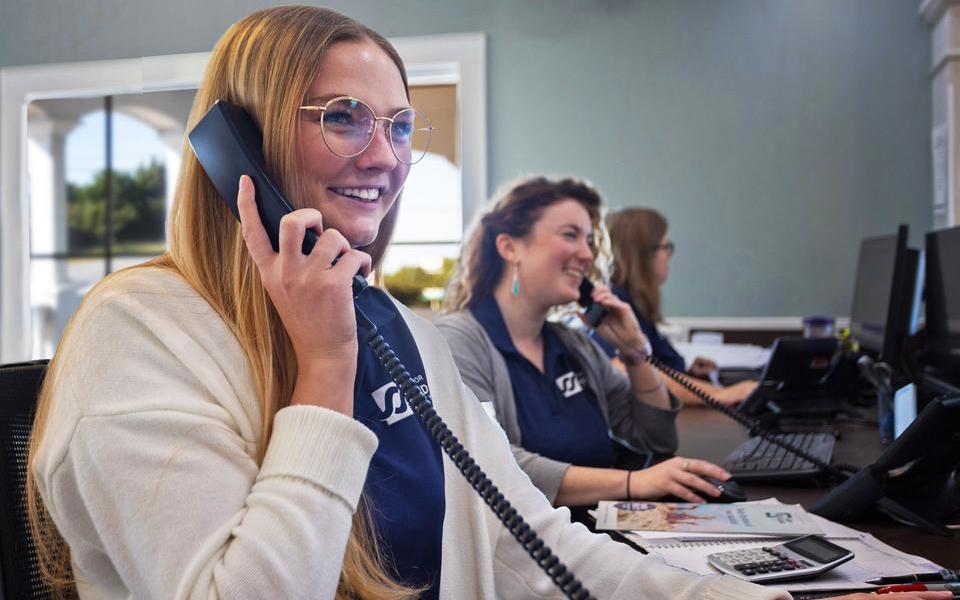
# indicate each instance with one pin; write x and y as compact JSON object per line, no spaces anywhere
{"x":515,"y":287}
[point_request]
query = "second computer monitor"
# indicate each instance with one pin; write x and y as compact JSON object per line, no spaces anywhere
{"x":883,"y":294}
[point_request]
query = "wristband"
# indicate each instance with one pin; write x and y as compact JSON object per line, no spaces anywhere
{"x":636,"y":356}
{"x":629,"y":497}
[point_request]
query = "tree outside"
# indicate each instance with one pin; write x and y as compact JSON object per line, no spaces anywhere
{"x":139,"y":212}
{"x":408,"y":284}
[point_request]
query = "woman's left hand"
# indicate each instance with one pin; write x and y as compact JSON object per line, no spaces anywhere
{"x":620,"y":327}
{"x":702,"y":367}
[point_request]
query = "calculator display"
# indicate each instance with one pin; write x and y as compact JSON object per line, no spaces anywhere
{"x":818,"y":550}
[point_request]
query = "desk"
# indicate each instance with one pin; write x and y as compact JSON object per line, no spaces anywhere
{"x":708,"y":434}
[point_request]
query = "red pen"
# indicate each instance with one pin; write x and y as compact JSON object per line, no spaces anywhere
{"x":903,"y":587}
{"x":920,"y":587}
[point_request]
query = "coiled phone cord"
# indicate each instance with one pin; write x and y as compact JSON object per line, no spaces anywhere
{"x":838,"y":472}
{"x":565,"y":580}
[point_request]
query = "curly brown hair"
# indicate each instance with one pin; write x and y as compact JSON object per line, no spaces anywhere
{"x":514,"y":212}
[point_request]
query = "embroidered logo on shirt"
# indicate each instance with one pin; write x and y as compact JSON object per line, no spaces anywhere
{"x":392,"y":403}
{"x":570,"y":384}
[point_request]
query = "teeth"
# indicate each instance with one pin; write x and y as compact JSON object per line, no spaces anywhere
{"x":361,"y":193}
{"x":573,"y":272}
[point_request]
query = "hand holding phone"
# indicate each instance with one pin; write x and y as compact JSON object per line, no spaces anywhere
{"x":612,"y":318}
{"x":312,"y":296}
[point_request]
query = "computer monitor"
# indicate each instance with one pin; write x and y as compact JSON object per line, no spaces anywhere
{"x":942,"y":294}
{"x":883,"y":295}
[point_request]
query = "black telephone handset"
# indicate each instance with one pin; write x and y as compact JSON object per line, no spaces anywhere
{"x":594,"y":313}
{"x":228,"y":144}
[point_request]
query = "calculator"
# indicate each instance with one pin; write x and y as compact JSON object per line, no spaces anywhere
{"x":802,"y":558}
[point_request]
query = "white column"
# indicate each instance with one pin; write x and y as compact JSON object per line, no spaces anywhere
{"x":47,"y":192}
{"x":172,"y":141}
{"x":943,"y":18}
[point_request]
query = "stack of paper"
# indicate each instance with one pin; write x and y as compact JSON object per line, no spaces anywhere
{"x":689,"y":549}
{"x":727,"y":356}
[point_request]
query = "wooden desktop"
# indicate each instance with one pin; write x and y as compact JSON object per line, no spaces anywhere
{"x":708,"y":434}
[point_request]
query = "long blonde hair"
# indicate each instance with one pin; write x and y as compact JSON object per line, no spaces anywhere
{"x":635,"y":234}
{"x":266,"y":63}
{"x":514,"y":212}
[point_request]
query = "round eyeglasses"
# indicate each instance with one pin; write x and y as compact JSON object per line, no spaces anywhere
{"x":668,"y":247}
{"x":348,"y":126}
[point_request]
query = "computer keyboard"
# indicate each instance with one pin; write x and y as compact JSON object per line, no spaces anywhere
{"x":757,"y":460}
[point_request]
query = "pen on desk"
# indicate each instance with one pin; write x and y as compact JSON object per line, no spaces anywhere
{"x":939,"y":576}
{"x":921,"y":587}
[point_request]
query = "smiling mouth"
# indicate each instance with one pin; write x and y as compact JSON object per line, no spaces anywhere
{"x":574,"y":273}
{"x":364,"y":194}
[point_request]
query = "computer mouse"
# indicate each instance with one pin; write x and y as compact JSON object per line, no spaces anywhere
{"x":730,"y":491}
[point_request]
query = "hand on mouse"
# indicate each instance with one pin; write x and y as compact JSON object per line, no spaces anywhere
{"x":678,"y":477}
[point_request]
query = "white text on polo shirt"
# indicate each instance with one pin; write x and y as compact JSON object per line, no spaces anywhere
{"x":392,"y":403}
{"x":570,"y":384}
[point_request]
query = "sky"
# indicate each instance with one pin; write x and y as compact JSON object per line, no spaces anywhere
{"x":134,"y":144}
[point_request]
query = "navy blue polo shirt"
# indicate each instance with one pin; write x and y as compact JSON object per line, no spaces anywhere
{"x":661,"y":346}
{"x":404,"y":485}
{"x":557,"y":413}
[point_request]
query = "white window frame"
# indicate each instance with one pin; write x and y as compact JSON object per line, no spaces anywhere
{"x":439,"y":59}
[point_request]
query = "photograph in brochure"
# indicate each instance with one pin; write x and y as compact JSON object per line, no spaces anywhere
{"x":756,"y":519}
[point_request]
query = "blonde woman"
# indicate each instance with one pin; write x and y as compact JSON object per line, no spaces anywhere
{"x":209,"y":427}
{"x":641,"y":263}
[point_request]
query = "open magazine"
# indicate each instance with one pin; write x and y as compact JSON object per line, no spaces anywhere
{"x":756,"y":519}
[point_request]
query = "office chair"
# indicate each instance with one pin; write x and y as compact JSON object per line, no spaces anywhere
{"x":19,"y":573}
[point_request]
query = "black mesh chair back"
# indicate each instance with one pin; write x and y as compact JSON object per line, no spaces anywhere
{"x":19,"y":575}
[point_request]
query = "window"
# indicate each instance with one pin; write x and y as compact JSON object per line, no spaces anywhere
{"x":430,"y":225}
{"x":101,"y":174}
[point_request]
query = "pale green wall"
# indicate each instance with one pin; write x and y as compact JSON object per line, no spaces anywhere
{"x":774,"y":134}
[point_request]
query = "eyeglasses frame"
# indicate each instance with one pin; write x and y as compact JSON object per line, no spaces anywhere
{"x":377,"y":119}
{"x":670,"y":247}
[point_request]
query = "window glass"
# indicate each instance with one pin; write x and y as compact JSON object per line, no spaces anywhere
{"x":101,"y":173}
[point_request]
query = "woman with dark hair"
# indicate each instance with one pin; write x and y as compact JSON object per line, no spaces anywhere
{"x":641,"y":262}
{"x":557,"y":396}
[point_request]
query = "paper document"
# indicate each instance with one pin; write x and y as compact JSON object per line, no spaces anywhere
{"x":873,"y":558}
{"x":740,"y":518}
{"x":727,"y":356}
